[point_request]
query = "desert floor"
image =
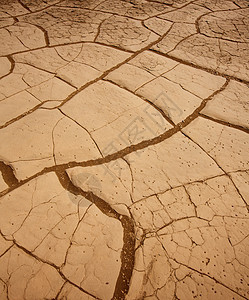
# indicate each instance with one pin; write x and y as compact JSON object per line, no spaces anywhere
{"x":124,"y":141}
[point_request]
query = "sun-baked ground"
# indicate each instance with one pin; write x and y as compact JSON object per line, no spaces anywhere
{"x":124,"y":140}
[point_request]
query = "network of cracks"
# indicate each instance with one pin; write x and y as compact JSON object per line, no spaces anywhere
{"x":124,"y":165}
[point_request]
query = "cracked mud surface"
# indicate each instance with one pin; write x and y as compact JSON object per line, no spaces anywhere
{"x":124,"y":167}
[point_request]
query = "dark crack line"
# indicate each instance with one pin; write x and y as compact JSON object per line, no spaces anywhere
{"x":181,"y":86}
{"x":144,"y":99}
{"x":223,"y":39}
{"x":46,"y":37}
{"x":58,"y":294}
{"x":175,"y":221}
{"x":24,"y":6}
{"x":12,"y":66}
{"x":93,"y":140}
{"x":75,"y":229}
{"x":238,"y":191}
{"x":67,"y":44}
{"x":228,"y":124}
{"x":53,"y":143}
{"x":234,"y":2}
{"x":67,"y":82}
{"x":99,"y":28}
{"x":6,"y":252}
{"x":204,"y":151}
{"x":98,"y":4}
{"x":181,"y":41}
{"x":211,"y":71}
{"x":35,"y":67}
{"x":149,"y":28}
{"x":23,"y":115}
{"x":128,"y":251}
{"x":16,"y":37}
{"x":155,"y":77}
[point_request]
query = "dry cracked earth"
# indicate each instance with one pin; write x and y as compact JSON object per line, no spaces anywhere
{"x":124,"y":140}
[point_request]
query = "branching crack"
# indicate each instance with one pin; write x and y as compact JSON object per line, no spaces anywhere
{"x":128,"y":251}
